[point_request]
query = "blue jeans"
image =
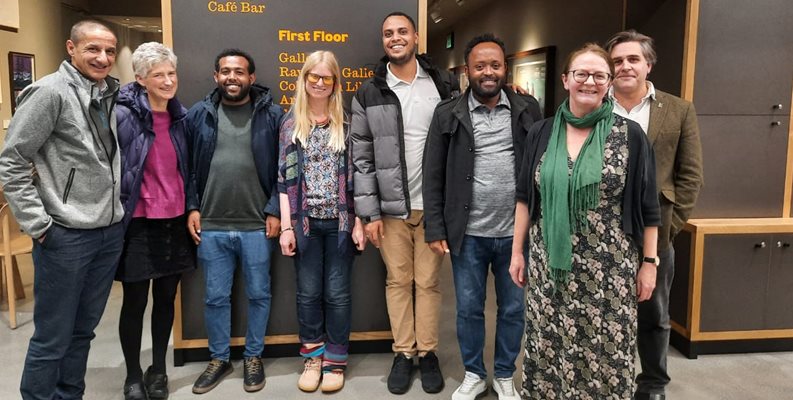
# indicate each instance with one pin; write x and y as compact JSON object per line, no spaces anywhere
{"x":470,"y":285}
{"x":74,"y":271}
{"x":323,"y":288}
{"x":219,"y":253}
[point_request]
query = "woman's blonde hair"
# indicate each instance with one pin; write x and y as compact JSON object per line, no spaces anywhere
{"x":303,"y":122}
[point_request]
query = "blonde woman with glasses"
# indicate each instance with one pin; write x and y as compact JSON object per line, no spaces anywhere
{"x":318,"y":224}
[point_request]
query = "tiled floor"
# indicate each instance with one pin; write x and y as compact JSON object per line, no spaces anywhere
{"x":722,"y":377}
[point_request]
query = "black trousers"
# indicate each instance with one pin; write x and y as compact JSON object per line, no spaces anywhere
{"x":654,"y":329}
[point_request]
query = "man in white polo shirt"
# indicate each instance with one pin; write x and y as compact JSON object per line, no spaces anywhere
{"x":391,"y":117}
{"x":671,"y":125}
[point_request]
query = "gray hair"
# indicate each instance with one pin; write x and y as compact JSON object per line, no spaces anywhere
{"x":77,"y":33}
{"x":645,"y":42}
{"x":150,"y":54}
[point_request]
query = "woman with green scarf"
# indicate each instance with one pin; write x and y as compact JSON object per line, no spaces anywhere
{"x":587,"y":208}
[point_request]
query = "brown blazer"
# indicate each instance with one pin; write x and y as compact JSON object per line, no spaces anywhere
{"x":674,"y":135}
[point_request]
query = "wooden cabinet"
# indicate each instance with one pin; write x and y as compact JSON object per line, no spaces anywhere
{"x":744,"y":58}
{"x":744,"y":159}
{"x":779,"y":297}
{"x":741,"y":87}
{"x":739,"y":275}
{"x":733,"y":286}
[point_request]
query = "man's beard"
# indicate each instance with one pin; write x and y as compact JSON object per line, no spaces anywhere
{"x":401,"y":60}
{"x":487,"y":94}
{"x":244,"y":90}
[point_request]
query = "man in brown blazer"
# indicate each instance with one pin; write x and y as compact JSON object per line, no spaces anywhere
{"x":671,"y":125}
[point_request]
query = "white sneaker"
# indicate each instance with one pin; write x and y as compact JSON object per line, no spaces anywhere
{"x":472,"y":387}
{"x":505,"y":389}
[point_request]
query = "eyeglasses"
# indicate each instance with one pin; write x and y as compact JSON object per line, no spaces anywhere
{"x":600,"y":78}
{"x":314,"y":78}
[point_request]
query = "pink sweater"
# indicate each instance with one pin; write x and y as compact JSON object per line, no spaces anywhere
{"x":162,"y":190}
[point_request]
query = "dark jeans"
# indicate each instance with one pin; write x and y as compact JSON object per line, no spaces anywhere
{"x":323,"y":288}
{"x":74,"y":271}
{"x":470,"y":286}
{"x":654,"y":328}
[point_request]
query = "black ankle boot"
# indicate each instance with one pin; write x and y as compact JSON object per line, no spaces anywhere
{"x":156,"y":385}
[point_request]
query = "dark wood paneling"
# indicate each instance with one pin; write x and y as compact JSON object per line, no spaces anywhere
{"x":137,"y":8}
{"x":734,"y":277}
{"x":744,"y":58}
{"x":664,"y":21}
{"x":678,"y":295}
{"x":779,"y":299}
{"x":744,"y":163}
{"x":693,"y":349}
{"x":368,"y":298}
{"x":683,"y":344}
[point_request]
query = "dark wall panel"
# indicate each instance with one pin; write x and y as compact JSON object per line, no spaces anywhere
{"x":664,"y":21}
{"x":744,"y":163}
{"x":199,"y":35}
{"x":734,"y":276}
{"x":531,"y":24}
{"x":368,"y":299}
{"x":744,"y":57}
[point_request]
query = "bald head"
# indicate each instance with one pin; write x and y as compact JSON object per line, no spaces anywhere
{"x":82,"y":28}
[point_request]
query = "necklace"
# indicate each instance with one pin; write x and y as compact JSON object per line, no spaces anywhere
{"x":322,"y":122}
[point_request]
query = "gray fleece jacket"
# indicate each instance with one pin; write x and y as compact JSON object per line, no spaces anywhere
{"x":54,"y":166}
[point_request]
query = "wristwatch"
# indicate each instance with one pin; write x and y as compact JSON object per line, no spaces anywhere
{"x":652,"y":260}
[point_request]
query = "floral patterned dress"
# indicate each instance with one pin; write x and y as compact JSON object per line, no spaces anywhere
{"x":581,"y":336}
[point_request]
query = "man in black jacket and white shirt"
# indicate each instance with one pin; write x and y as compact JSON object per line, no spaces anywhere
{"x":480,"y":137}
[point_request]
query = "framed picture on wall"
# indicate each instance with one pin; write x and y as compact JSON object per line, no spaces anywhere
{"x":462,"y":78}
{"x":534,"y":71}
{"x":21,"y":73}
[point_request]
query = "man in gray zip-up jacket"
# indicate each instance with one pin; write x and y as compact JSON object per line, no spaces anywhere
{"x":391,"y":116}
{"x":60,"y":171}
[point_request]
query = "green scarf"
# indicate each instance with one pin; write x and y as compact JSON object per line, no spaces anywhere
{"x":564,"y":198}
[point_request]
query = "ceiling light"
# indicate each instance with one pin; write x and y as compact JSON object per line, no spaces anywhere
{"x":435,"y":12}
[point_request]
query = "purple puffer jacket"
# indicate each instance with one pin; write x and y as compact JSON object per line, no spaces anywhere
{"x":135,"y":138}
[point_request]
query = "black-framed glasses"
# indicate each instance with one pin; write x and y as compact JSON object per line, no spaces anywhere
{"x":600,"y":78}
{"x":314,"y":78}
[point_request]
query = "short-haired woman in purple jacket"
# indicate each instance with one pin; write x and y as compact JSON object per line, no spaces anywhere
{"x":152,"y":136}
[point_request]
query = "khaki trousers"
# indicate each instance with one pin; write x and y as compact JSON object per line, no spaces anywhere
{"x":409,"y":261}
